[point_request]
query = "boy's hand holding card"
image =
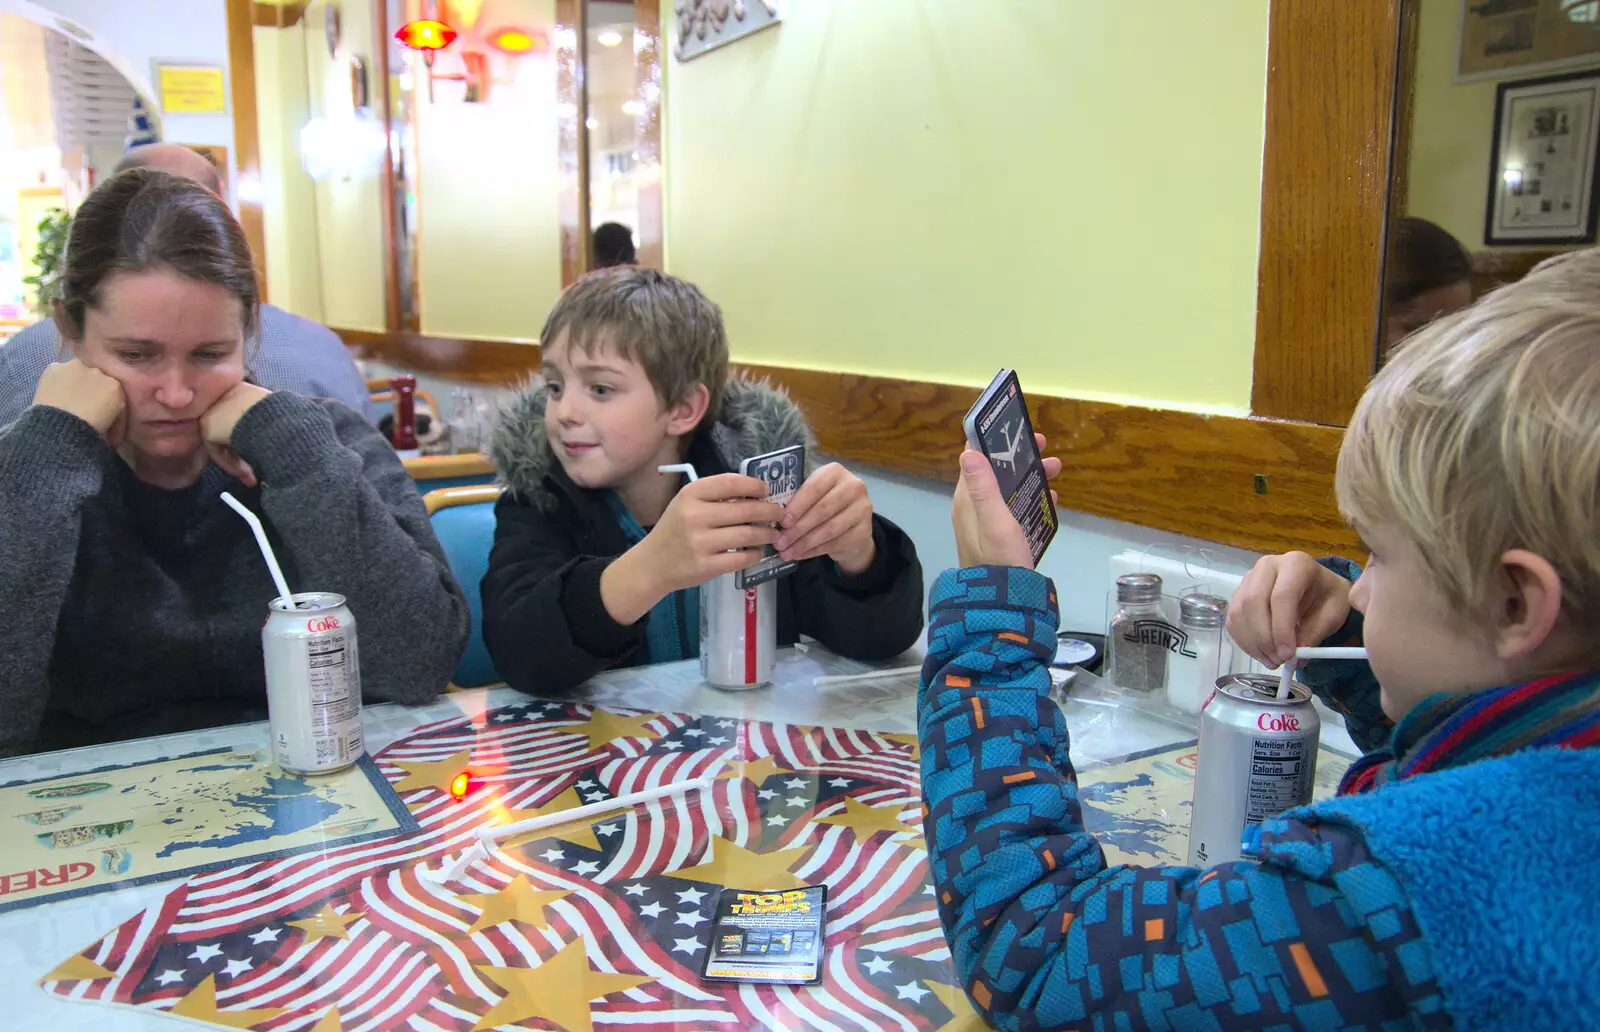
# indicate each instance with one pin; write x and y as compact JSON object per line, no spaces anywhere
{"x":998,"y":426}
{"x":830,"y":515}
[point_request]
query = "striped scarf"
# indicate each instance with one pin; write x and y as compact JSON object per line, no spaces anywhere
{"x":1453,"y":730}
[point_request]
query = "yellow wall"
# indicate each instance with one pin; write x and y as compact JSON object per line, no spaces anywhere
{"x":1452,"y":129}
{"x":933,"y":188}
{"x":489,"y":232}
{"x":288,"y":197}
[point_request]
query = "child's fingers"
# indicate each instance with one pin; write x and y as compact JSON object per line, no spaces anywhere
{"x":733,"y":514}
{"x":750,"y":535}
{"x":1328,"y":616}
{"x":816,"y":488}
{"x":725,"y":486}
{"x":1250,"y":613}
{"x":825,"y":508}
{"x":729,"y":562}
{"x":1052,"y":467}
{"x":821,"y":540}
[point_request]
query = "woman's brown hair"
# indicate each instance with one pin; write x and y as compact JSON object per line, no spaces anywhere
{"x":142,"y":220}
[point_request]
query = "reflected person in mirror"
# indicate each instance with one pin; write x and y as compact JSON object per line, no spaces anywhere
{"x":1429,"y":276}
{"x":613,"y":245}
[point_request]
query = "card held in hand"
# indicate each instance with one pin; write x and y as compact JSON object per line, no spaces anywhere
{"x":783,"y":471}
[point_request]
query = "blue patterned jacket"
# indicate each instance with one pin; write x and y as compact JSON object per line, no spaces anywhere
{"x":1322,"y":927}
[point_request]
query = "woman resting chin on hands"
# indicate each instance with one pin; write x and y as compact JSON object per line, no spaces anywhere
{"x":134,"y":597}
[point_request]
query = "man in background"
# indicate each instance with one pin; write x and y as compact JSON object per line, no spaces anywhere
{"x":294,"y":354}
{"x":613,"y":245}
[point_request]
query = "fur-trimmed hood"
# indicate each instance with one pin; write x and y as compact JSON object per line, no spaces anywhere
{"x":755,"y":418}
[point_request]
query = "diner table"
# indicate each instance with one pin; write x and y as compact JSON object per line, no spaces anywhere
{"x":1134,"y":756}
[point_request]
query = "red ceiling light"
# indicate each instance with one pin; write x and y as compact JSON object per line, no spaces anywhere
{"x":517,"y":41}
{"x":426,"y":35}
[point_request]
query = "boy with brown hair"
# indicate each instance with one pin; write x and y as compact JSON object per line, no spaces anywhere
{"x":598,"y":557}
{"x":1451,"y":884}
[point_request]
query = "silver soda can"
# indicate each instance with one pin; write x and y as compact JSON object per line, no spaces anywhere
{"x":1258,"y":757}
{"x":313,"y":683}
{"x":738,"y":633}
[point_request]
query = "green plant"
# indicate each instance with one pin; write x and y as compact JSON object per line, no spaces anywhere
{"x":47,"y":258}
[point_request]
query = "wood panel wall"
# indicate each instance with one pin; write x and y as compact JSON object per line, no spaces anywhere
{"x":1174,"y":471}
{"x":1332,"y":69}
{"x":242,"y":18}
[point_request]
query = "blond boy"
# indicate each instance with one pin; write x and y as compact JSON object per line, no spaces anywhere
{"x":1452,"y":882}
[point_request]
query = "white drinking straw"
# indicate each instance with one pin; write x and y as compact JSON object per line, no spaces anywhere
{"x":622,"y":802}
{"x":870,"y":675}
{"x":472,"y":855}
{"x":686,"y":468}
{"x":266,"y":549}
{"x":487,"y":837}
{"x":1350,"y":652}
{"x":1307,"y":652}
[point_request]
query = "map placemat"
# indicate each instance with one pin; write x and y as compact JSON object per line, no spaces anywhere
{"x":593,"y":924}
{"x":67,"y":836}
{"x":1139,"y":806}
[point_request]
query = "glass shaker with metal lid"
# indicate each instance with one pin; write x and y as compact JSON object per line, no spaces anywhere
{"x":1138,"y":636}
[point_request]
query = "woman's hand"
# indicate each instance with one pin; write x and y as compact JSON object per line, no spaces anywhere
{"x":87,"y":393}
{"x":217,"y":425}
{"x":986,"y":532}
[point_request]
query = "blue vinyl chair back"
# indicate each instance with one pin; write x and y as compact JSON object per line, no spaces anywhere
{"x":463,"y":520}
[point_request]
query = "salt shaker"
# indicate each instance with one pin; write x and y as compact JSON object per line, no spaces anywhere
{"x":465,"y":428}
{"x":1138,"y":634}
{"x":1196,"y":665}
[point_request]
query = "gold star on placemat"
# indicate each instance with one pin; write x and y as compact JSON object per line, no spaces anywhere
{"x":76,"y":969}
{"x":432,"y":773}
{"x":866,"y":820}
{"x":327,"y":923}
{"x":736,"y":866}
{"x":329,"y":1023}
{"x":579,"y":833}
{"x":201,"y":1005}
{"x":911,"y":740}
{"x":518,"y":901}
{"x":755,"y":771}
{"x":557,"y":991}
{"x":604,"y":726}
{"x":962,"y":1017}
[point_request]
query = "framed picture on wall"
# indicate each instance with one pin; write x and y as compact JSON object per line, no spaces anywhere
{"x":1542,"y":164}
{"x":1500,"y":38}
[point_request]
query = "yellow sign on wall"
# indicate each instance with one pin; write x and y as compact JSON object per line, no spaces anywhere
{"x":192,"y":89}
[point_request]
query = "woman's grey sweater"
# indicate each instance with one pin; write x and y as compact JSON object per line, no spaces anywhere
{"x":127,"y":610}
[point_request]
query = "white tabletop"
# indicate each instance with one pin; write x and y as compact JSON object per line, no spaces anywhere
{"x":1104,"y":725}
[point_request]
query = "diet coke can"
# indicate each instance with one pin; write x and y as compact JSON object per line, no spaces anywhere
{"x":738,"y":633}
{"x":313,"y":683}
{"x":1258,"y":757}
